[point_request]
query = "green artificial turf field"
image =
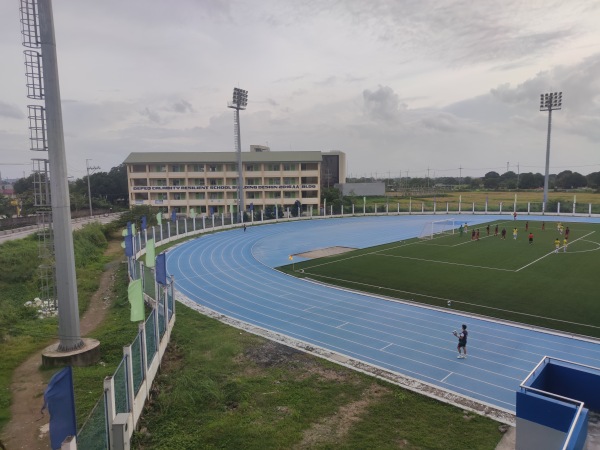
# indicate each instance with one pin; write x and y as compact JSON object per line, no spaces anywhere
{"x":508,"y":279}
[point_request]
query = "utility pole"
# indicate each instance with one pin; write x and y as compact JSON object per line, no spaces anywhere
{"x":89,"y":186}
{"x":551,"y":101}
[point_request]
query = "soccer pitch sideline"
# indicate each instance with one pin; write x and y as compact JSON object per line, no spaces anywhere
{"x":507,"y":278}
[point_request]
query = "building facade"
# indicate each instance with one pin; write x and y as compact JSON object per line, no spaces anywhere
{"x":207,"y":182}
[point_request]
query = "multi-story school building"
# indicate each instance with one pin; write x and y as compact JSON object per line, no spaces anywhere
{"x":207,"y":182}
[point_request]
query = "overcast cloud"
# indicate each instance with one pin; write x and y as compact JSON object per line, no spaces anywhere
{"x":400,"y":86}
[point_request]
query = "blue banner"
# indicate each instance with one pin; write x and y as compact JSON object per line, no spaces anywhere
{"x":173,"y":216}
{"x":144,"y":223}
{"x":129,"y":245}
{"x":60,"y":401}
{"x":161,"y":269}
{"x":129,"y":228}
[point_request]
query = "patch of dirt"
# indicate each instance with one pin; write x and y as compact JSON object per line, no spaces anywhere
{"x":321,"y":252}
{"x":28,"y":427}
{"x":333,"y":429}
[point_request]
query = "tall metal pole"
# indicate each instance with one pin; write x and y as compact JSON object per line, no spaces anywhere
{"x":240,"y":167}
{"x":547,"y":173}
{"x":89,"y":184}
{"x":548,"y":102}
{"x":66,"y":282}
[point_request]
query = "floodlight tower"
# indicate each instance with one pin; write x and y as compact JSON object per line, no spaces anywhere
{"x":240,"y":101}
{"x":549,"y":102}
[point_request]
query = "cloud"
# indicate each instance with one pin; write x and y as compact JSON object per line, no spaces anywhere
{"x":382,"y":104}
{"x":182,"y":107}
{"x":11,"y":111}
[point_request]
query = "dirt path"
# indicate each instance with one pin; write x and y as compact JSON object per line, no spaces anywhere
{"x":28,"y":428}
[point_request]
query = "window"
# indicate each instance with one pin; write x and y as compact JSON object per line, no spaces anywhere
{"x":253,"y":195}
{"x":309,"y":166}
{"x":215,"y":195}
{"x":290,"y":180}
{"x":289,"y":194}
{"x":288,"y":167}
{"x":158,"y":168}
{"x":252,"y":168}
{"x":178,"y":195}
{"x":252,"y":181}
{"x":177,"y":182}
{"x":158,"y":182}
{"x":137,"y":168}
{"x":272,"y":167}
{"x":199,"y":195}
{"x":197,"y":181}
{"x":231,"y":181}
{"x":231,"y":167}
{"x":139,"y":182}
{"x":161,"y":196}
{"x":310,"y":180}
{"x":215,"y":168}
{"x":141,"y":196}
{"x":310,"y":194}
{"x":178,"y":168}
{"x":273,"y":194}
{"x":215,"y":181}
{"x":196,"y":167}
{"x":273,"y":181}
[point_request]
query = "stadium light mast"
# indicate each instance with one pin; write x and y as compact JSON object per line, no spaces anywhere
{"x":551,"y":101}
{"x":240,"y":101}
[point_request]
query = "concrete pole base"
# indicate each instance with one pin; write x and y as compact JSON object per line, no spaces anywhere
{"x":87,"y":355}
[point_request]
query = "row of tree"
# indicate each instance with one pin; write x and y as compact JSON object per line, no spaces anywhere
{"x":108,"y":189}
{"x":493,"y":180}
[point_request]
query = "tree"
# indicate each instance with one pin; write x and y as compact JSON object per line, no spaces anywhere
{"x":570,"y":180}
{"x":593,"y":180}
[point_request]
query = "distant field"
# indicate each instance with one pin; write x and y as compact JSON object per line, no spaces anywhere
{"x":507,"y":279}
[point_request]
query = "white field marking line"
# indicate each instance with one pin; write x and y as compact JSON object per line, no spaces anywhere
{"x":584,"y":251}
{"x":443,"y":380}
{"x":455,"y":301}
{"x":241,"y":308}
{"x":548,"y":254}
{"x":382,"y":349}
{"x":340,"y":326}
{"x":445,"y":262}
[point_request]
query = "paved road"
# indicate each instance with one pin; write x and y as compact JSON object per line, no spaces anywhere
{"x":20,"y":233}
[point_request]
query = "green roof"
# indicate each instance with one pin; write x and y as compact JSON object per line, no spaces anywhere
{"x":220,"y":157}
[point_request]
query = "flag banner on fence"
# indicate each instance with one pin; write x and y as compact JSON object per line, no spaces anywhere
{"x":129,"y":228}
{"x":124,"y":232}
{"x":159,"y":217}
{"x":60,"y":402}
{"x":133,"y":231}
{"x":161,"y":269}
{"x":129,"y":245}
{"x":150,"y":253}
{"x":144,"y":223}
{"x":193,"y":213}
{"x":136,"y":298}
{"x":173,"y":216}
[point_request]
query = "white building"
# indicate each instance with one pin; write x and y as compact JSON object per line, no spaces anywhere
{"x":208,"y":181}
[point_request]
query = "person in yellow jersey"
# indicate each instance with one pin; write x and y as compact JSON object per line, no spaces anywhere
{"x":565,"y":242}
{"x":556,"y":245}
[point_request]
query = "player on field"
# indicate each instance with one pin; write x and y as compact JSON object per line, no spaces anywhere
{"x":531,"y":238}
{"x":515,"y":232}
{"x":462,"y":341}
{"x":487,"y":229}
{"x":496,"y":230}
{"x":503,"y":233}
{"x":565,"y":242}
{"x":567,"y":231}
{"x":556,"y":245}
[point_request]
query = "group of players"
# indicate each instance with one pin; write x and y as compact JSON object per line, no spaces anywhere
{"x":557,"y":242}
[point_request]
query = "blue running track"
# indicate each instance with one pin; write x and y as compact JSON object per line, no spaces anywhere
{"x":231,"y":272}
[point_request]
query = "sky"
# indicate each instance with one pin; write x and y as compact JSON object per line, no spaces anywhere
{"x":403,"y":87}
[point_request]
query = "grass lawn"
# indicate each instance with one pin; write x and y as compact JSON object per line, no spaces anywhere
{"x":508,"y":279}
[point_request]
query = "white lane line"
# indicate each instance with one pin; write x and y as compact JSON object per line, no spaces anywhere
{"x":385,"y":347}
{"x":446,"y":377}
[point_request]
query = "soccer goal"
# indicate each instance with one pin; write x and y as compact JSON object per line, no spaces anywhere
{"x":438,"y":227}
